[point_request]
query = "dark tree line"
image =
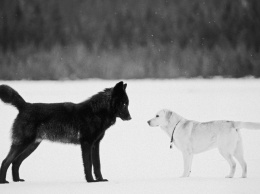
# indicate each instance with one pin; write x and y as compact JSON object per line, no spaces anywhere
{"x":113,"y":23}
{"x":105,"y":25}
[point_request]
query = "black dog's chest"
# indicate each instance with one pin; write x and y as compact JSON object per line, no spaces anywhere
{"x":109,"y":123}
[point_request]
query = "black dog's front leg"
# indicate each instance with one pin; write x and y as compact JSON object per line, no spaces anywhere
{"x":86,"y":149}
{"x":96,"y":162}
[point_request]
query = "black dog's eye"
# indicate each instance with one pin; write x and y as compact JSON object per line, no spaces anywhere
{"x":124,"y":105}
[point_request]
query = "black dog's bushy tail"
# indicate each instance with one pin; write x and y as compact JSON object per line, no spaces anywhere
{"x":10,"y":96}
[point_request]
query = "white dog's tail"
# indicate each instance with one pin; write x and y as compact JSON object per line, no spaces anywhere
{"x":246,"y":125}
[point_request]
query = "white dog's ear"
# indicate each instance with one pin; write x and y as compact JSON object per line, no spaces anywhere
{"x":168,"y":115}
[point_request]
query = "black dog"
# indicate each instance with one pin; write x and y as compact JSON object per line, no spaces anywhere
{"x":84,"y":123}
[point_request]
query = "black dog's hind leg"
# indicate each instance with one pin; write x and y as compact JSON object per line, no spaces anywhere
{"x":86,"y":149}
{"x":96,"y":162}
{"x":18,"y":160}
{"x":15,"y":151}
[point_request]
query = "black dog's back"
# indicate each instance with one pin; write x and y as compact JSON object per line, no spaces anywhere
{"x":54,"y":122}
{"x":40,"y":121}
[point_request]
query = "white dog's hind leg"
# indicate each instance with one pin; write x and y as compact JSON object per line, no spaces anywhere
{"x":227,"y":144}
{"x":240,"y":158}
{"x":187,"y":159}
{"x":231,"y":162}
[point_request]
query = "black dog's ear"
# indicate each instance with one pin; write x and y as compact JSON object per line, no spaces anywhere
{"x":125,"y":86}
{"x":119,"y":87}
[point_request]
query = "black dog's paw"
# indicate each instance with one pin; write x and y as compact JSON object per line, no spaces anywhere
{"x":19,"y":180}
{"x":102,"y":180}
{"x":4,"y":182}
{"x":92,"y":181}
{"x":98,"y":180}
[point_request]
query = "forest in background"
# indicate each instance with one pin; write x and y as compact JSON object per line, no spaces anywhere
{"x":128,"y":39}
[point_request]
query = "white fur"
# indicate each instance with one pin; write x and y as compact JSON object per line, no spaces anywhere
{"x":192,"y":137}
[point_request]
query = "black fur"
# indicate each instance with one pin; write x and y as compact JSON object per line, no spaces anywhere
{"x":84,"y":123}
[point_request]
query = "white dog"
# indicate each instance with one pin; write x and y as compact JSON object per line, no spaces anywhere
{"x":193,"y":137}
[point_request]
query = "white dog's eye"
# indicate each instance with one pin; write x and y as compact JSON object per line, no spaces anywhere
{"x":157,"y":115}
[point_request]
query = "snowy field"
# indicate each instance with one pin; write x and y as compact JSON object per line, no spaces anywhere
{"x":134,"y":157}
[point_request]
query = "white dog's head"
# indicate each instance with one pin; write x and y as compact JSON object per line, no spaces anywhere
{"x":162,"y":118}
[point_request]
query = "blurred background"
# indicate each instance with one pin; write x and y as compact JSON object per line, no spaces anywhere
{"x":128,"y":39}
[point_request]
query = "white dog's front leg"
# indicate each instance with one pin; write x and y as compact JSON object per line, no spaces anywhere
{"x":187,"y":160}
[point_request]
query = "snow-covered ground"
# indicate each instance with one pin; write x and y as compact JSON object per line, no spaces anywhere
{"x":134,"y":157}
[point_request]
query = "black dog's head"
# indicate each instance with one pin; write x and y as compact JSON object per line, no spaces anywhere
{"x":120,"y":101}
